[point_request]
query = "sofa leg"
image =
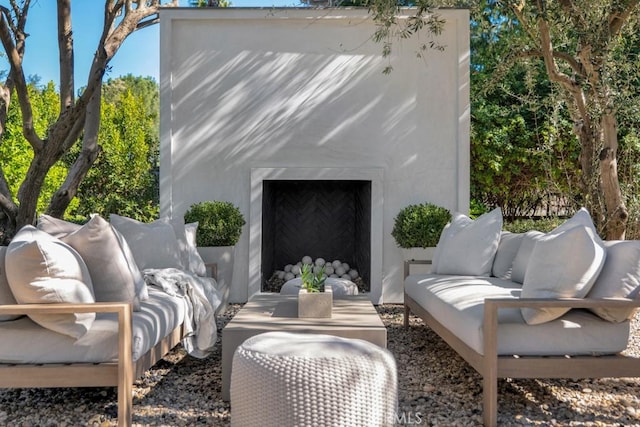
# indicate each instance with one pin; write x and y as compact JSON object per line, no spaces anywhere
{"x":490,"y":400}
{"x":407,"y":311}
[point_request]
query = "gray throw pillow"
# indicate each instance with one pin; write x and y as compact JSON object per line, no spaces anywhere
{"x":562,"y":265}
{"x":114,"y":277}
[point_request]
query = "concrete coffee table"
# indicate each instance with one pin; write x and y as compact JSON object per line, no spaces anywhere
{"x":352,"y":317}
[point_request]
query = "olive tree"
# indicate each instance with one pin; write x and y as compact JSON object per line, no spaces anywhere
{"x":79,"y":117}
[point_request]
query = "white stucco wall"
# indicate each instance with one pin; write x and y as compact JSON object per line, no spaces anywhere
{"x":243,"y":89}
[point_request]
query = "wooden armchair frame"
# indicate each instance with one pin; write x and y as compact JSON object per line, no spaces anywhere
{"x":120,"y":374}
{"x":493,"y":366}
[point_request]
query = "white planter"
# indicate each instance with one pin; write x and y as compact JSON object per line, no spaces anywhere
{"x":418,"y":254}
{"x":315,"y":304}
{"x":223,"y":256}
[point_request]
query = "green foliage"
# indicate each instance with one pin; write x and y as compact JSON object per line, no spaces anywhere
{"x":523,"y":225}
{"x":420,"y":225}
{"x":16,"y":153}
{"x":219,"y":223}
{"x":123,"y":179}
{"x":312,"y":282}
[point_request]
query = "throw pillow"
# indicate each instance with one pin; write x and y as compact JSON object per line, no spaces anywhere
{"x":196,"y":263}
{"x":115,"y":278}
{"x":6,"y":296}
{"x":619,"y":278}
{"x":153,"y":245}
{"x":520,"y":262}
{"x":55,"y":226}
{"x":469,"y":246}
{"x":507,"y":251}
{"x":42,"y":269}
{"x":563,"y":265}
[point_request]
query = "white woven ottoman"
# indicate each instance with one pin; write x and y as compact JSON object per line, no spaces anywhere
{"x":283,"y":379}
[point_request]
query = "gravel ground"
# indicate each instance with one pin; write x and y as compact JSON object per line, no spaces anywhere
{"x":437,"y":388}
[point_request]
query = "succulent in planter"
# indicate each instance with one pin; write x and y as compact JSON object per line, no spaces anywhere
{"x":312,"y":281}
{"x":420,"y":226}
{"x":219,"y":223}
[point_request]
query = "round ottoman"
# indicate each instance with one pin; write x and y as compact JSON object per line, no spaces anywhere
{"x":291,"y":379}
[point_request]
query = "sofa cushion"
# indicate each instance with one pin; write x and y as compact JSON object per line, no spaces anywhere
{"x":562,"y":265}
{"x":457,"y":302}
{"x":520,"y":262}
{"x":159,"y":315}
{"x":186,"y":235}
{"x":507,"y":251}
{"x":115,"y":277}
{"x":42,"y":269}
{"x":469,"y":246}
{"x":154,"y":245}
{"x":55,"y":226}
{"x":619,"y":278}
{"x":6,"y":296}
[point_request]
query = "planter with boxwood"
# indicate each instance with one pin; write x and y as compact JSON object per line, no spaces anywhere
{"x":419,"y":227}
{"x":219,"y":228}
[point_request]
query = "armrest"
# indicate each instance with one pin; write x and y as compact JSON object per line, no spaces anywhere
{"x":98,"y":307}
{"x":410,"y":262}
{"x":492,"y":305}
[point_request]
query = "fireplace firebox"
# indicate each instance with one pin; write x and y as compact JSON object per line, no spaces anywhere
{"x":330,"y":219}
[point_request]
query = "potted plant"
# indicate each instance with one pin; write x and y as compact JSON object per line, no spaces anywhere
{"x":315,"y":299}
{"x":417,"y":229}
{"x":219,"y":227}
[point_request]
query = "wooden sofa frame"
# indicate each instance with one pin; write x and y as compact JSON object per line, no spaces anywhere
{"x":491,"y":366}
{"x":120,"y":374}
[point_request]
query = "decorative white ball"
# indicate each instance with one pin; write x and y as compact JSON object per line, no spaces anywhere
{"x":287,"y":268}
{"x":317,"y":269}
{"x":340,"y":271}
{"x":299,"y":264}
{"x":295,"y":269}
{"x":345,"y":276}
{"x":289,"y":275}
{"x":320,"y":262}
{"x":336,"y":264}
{"x":334,"y":276}
{"x":354,"y":274}
{"x":280,"y":274}
{"x":306,"y":259}
{"x":346,"y":266}
{"x":329,"y":269}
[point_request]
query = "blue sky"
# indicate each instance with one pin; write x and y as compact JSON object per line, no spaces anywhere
{"x":139,"y":55}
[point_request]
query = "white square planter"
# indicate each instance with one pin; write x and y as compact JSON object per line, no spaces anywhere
{"x":223,"y":257}
{"x":315,"y":304}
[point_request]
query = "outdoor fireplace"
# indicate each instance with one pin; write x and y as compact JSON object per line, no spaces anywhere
{"x":330,"y":219}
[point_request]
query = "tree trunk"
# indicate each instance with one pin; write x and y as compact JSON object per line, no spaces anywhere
{"x":617,"y":214}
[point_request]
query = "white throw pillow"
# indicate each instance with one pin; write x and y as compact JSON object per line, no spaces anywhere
{"x":42,"y":269}
{"x":153,"y":245}
{"x":6,"y":296}
{"x":469,"y":246}
{"x":562,"y":265}
{"x":196,"y":263}
{"x":520,"y":262}
{"x":507,"y":251}
{"x":55,"y":226}
{"x":115,"y":277}
{"x":619,"y":278}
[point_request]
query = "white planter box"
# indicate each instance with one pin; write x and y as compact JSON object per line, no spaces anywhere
{"x":315,"y":304}
{"x":419,"y":254}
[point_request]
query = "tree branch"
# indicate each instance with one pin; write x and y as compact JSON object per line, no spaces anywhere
{"x":65,"y":47}
{"x":575,"y":65}
{"x":617,"y":19}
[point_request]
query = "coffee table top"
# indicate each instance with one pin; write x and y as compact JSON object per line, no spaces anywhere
{"x":280,"y":312}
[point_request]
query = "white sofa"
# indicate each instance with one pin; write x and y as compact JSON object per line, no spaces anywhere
{"x":76,"y":309}
{"x":530,"y":305}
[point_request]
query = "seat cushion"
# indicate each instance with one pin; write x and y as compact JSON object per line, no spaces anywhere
{"x":457,"y":302}
{"x":158,"y":316}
